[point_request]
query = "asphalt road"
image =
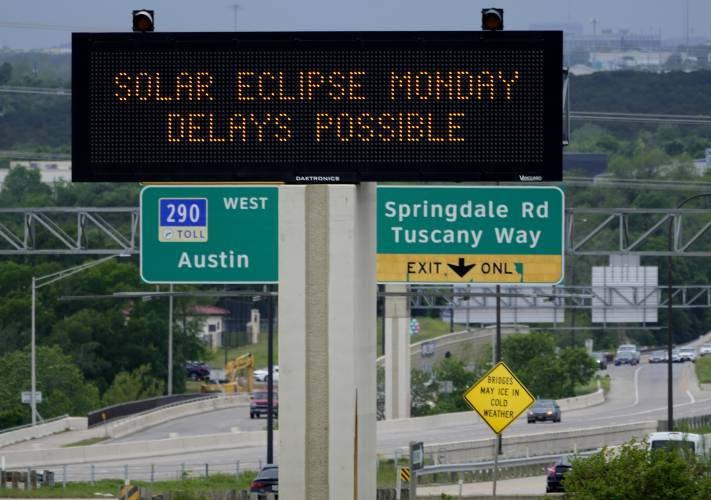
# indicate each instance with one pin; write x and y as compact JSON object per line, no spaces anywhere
{"x":215,"y":422}
{"x":637,"y":394}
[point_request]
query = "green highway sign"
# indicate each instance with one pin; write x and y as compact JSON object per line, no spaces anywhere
{"x":470,"y":234}
{"x":209,"y":234}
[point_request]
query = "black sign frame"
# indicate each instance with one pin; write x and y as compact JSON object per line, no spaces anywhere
{"x":549,"y":168}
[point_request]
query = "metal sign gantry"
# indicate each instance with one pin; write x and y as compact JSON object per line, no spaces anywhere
{"x":69,"y":230}
{"x":569,"y":297}
{"x":589,"y":231}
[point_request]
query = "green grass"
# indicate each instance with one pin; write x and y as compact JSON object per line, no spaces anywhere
{"x":591,"y":386}
{"x":703,"y":370}
{"x":386,"y":473}
{"x":431,"y":328}
{"x":605,"y":383}
{"x":188,"y":488}
{"x":193,"y":385}
{"x":86,"y":442}
{"x":216,"y":359}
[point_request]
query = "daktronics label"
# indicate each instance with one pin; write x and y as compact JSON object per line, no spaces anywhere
{"x":294,"y":106}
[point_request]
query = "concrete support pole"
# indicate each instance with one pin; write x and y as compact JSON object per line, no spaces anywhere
{"x":397,"y":353}
{"x":327,"y":298}
{"x":170,"y":341}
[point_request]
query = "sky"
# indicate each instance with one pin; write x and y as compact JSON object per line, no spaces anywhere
{"x":28,"y":24}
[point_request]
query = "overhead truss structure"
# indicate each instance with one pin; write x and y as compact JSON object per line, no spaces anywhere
{"x":74,"y":231}
{"x":570,"y":297}
{"x":588,"y":231}
{"x":608,"y":231}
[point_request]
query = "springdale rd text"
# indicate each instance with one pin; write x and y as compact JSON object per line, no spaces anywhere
{"x":501,"y":234}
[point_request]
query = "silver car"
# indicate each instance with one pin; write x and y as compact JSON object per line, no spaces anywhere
{"x":658,"y":357}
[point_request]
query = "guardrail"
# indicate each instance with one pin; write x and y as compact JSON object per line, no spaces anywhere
{"x":687,"y":423}
{"x":489,"y":464}
{"x":532,"y":445}
{"x":103,"y":415}
{"x":92,"y":472}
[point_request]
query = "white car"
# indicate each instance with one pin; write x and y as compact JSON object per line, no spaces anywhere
{"x":665,"y":440}
{"x":261,"y":375}
{"x":705,"y":350}
{"x":688,"y":354}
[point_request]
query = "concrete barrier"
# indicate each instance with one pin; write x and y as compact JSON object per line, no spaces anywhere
{"x":464,"y":343}
{"x":131,"y":451}
{"x":540,"y":444}
{"x":125,"y":426}
{"x":468,"y":417}
{"x":135,"y":423}
{"x":584,"y":401}
{"x":43,"y":430}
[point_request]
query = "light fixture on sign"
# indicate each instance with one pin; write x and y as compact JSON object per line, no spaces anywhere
{"x":143,"y":20}
{"x":492,"y":19}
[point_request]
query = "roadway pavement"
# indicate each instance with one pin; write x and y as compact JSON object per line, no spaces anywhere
{"x":215,"y":422}
{"x":638,"y":393}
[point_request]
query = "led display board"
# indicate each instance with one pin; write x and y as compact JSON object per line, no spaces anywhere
{"x":317,"y":106}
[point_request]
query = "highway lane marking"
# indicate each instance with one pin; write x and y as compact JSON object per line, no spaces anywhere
{"x":636,"y":386}
{"x":691,"y":396}
{"x":676,"y":405}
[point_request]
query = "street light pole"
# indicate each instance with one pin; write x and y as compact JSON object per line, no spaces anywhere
{"x":39,"y":283}
{"x":670,"y":389}
{"x":170,"y":342}
{"x":33,"y":388}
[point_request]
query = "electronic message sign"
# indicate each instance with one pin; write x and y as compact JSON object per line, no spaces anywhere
{"x":317,"y":106}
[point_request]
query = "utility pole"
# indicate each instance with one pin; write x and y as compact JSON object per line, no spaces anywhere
{"x":235,"y":7}
{"x":170,"y":342}
{"x":33,"y":388}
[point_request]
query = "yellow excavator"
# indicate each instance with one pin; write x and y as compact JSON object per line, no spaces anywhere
{"x":241,"y":364}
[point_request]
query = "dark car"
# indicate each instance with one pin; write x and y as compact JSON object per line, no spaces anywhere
{"x":544,"y":409}
{"x":197,"y":370}
{"x":258,"y":404}
{"x":267,"y":481}
{"x":601,"y":359}
{"x":554,"y":480}
{"x":626,"y":358}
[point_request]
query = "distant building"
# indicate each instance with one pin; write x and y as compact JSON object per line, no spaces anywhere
{"x":50,"y":171}
{"x":607,"y":50}
{"x":569,"y":28}
{"x":607,"y":41}
{"x":212,"y":324}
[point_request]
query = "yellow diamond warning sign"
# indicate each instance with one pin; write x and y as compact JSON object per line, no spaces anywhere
{"x":499,"y":397}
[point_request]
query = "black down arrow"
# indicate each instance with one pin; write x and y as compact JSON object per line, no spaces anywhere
{"x":460,"y":268}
